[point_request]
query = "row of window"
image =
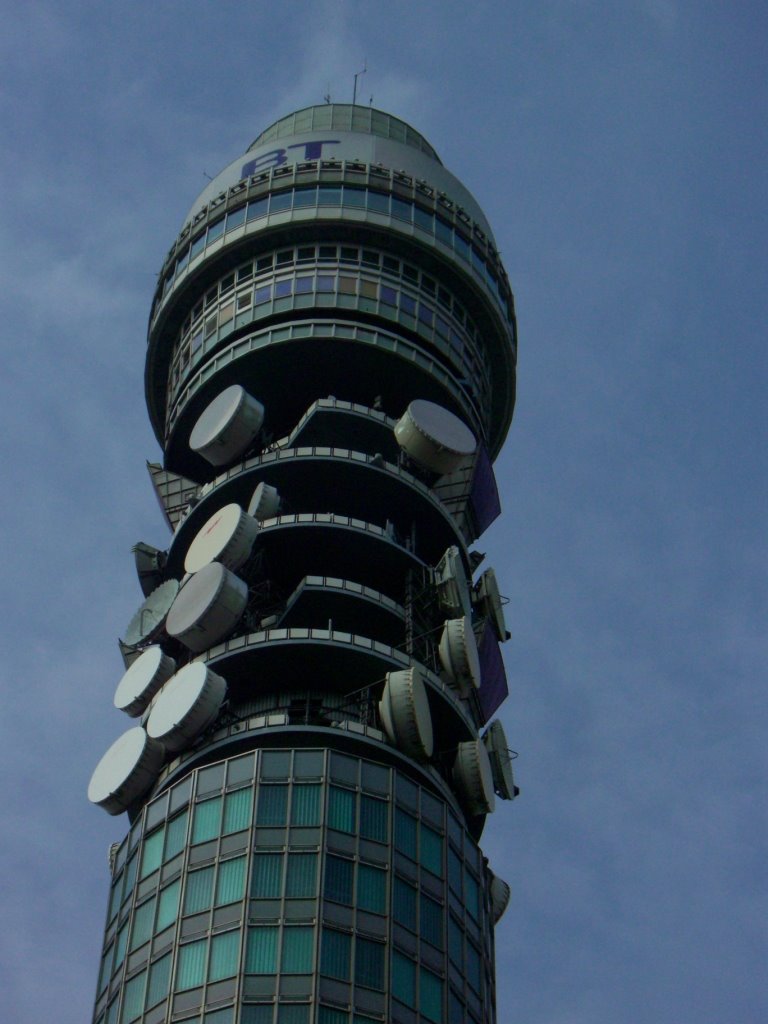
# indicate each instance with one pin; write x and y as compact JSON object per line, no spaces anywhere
{"x":347,"y":197}
{"x":270,"y":950}
{"x":337,"y":291}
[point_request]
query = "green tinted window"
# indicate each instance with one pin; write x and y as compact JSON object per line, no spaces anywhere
{"x":301,"y":875}
{"x":199,"y":891}
{"x":225,"y":956}
{"x":403,"y":979}
{"x":230,"y":884}
{"x":341,"y":809}
{"x":261,"y":951}
{"x":267,"y":875}
{"x":371,"y":889}
{"x":191,"y":967}
{"x":305,"y":805}
{"x":373,"y":818}
{"x":207,"y":820}
{"x":237,"y":810}
{"x":297,"y":950}
{"x":168,"y":906}
{"x":176,"y":835}
{"x":335,"y":954}
{"x":152,"y":853}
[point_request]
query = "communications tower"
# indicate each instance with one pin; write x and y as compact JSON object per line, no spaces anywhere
{"x":315,"y":666}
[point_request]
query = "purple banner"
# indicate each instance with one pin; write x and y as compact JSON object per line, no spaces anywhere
{"x":493,"y":688}
{"x":484,"y":495}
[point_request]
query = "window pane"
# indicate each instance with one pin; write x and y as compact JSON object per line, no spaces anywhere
{"x":369,"y":964}
{"x":335,"y":954}
{"x":304,"y":197}
{"x":235,"y":218}
{"x":257,"y":208}
{"x":338,"y":879}
{"x":329,"y":196}
{"x":273,"y":801}
{"x":371,"y":889}
{"x":143,"y":920}
{"x":473,"y":967}
{"x":159,"y":980}
{"x":404,"y":904}
{"x":354,"y":196}
{"x":400,"y":209}
{"x":207,"y":820}
{"x":305,"y":805}
{"x":431,"y":921}
{"x":378,"y":202}
{"x":301,"y":878}
{"x":237,"y":810}
{"x":267,"y":875}
{"x":215,"y":229}
{"x":176,"y":835}
{"x":282,"y":201}
{"x":303,"y":285}
{"x":133,"y":998}
{"x":430,"y":996}
{"x":199,"y":891}
{"x":297,"y":950}
{"x":120,"y":944}
{"x":373,"y":818}
{"x":405,"y":833}
{"x":152,"y":853}
{"x":225,"y":956}
{"x":455,"y":941}
{"x":341,"y":809}
{"x":471,"y":894}
{"x":432,"y":850}
{"x":297,"y":1014}
{"x":256,"y":1014}
{"x":403,"y":979}
{"x":261,"y":951}
{"x":168,"y":906}
{"x":230,"y":885}
{"x":454,"y":872}
{"x":191,"y":969}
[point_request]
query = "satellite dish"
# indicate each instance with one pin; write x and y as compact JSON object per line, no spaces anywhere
{"x":207,"y":608}
{"x":458,"y":653}
{"x":495,"y":741}
{"x":500,"y":894}
{"x":264,"y":503}
{"x":143,"y":679}
{"x":147,"y":624}
{"x":489,"y":600}
{"x":227,"y":427}
{"x":434,"y":437}
{"x":451,"y":582}
{"x":187,"y":703}
{"x":405,"y":714}
{"x":126,"y":771}
{"x":473,"y":777}
{"x":227,"y":537}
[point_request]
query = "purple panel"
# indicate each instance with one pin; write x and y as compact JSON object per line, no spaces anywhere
{"x":484,"y":495}
{"x":493,"y":688}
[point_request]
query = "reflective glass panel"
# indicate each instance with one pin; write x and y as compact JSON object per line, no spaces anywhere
{"x":261,"y":951}
{"x":224,"y":960}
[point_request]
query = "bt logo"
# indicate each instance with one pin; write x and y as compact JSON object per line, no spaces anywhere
{"x":277,"y":157}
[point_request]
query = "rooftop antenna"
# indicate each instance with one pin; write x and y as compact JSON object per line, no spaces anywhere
{"x":357,"y":75}
{"x":327,"y":96}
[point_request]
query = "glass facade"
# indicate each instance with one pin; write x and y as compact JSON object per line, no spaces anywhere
{"x":307,"y":885}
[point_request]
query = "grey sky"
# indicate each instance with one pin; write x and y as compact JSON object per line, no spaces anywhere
{"x":619,"y":153}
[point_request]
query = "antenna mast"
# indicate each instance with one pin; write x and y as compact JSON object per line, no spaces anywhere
{"x":357,"y":75}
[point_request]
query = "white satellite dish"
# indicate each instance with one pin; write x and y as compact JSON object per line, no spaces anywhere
{"x":405,"y":714}
{"x":458,"y":653}
{"x":143,"y":679}
{"x":500,"y":894}
{"x":147,"y":624}
{"x":451,"y":583}
{"x":227,"y":427}
{"x":187,"y":703}
{"x":227,"y":537}
{"x":488,"y":598}
{"x":434,"y":437}
{"x":473,"y":777}
{"x":495,"y":741}
{"x":265,"y":502}
{"x":126,"y":771}
{"x":207,"y":608}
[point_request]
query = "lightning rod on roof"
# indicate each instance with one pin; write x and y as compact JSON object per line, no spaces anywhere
{"x":357,"y":75}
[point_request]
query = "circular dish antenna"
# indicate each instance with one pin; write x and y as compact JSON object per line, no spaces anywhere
{"x":405,"y":714}
{"x":126,"y":771}
{"x":227,"y":427}
{"x":458,"y":653}
{"x":500,"y":894}
{"x":207,"y":608}
{"x":265,"y":502}
{"x":143,"y":679}
{"x":474,"y":778}
{"x":434,"y":437}
{"x":491,"y":604}
{"x":147,"y":624}
{"x":228,"y":537}
{"x":187,"y":703}
{"x":495,"y":740}
{"x":451,"y":582}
